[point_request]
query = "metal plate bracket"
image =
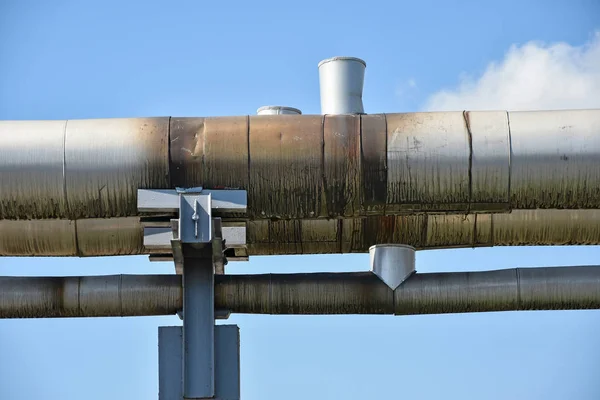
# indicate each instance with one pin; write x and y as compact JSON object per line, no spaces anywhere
{"x":199,"y":221}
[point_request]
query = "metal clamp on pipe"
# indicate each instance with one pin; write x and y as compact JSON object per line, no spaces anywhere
{"x":202,"y":210}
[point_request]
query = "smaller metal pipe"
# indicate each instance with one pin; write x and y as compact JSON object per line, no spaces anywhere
{"x":198,"y":329}
{"x":544,"y":288}
{"x":90,"y":296}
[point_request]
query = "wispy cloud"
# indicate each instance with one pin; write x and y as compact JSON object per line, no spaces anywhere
{"x":530,"y":77}
{"x":407,"y":88}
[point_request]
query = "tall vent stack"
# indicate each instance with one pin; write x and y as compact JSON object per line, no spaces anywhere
{"x":341,"y":81}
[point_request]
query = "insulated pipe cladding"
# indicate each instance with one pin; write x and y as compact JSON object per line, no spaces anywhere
{"x":315,"y":184}
{"x":545,"y":288}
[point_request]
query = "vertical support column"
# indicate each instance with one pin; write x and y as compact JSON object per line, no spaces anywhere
{"x":198,"y":328}
{"x":227,"y":350}
{"x":227,"y":362}
{"x":170,"y":366}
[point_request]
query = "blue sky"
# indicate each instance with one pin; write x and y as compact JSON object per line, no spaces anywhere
{"x":100,"y":59}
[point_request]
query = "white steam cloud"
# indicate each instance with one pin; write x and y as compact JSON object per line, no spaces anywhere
{"x":531,"y":77}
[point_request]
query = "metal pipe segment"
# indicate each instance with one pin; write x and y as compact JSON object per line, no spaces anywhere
{"x":306,"y":166}
{"x":545,"y":288}
{"x":316,"y":184}
{"x":124,"y":236}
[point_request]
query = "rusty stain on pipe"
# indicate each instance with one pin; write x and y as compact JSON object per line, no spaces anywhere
{"x":373,"y":146}
{"x":544,"y":288}
{"x":292,"y":186}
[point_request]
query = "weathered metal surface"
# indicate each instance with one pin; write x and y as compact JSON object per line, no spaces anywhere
{"x":119,"y":236}
{"x":112,"y":236}
{"x":442,"y":293}
{"x":555,"y":159}
{"x":303,"y":166}
{"x":90,"y":296}
{"x":346,"y":293}
{"x":315,"y":184}
{"x":31,"y":169}
{"x":428,"y":162}
{"x":427,"y":231}
{"x":290,"y":187}
{"x":558,"y":288}
{"x":490,"y":160}
{"x":341,"y":165}
{"x":549,"y":288}
{"x":546,"y":227}
{"x":373,"y":139}
{"x":186,"y":151}
{"x":448,"y":161}
{"x":449,"y":230}
{"x":544,"y":288}
{"x":38,"y":238}
{"x":108,"y":160}
{"x":209,"y":152}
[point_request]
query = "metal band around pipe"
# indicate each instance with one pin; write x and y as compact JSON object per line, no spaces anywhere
{"x":545,"y":288}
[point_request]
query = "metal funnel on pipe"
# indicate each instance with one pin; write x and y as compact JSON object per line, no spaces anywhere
{"x":341,"y":81}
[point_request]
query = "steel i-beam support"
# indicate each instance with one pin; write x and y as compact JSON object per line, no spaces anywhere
{"x":198,"y":328}
{"x":227,"y":362}
{"x":197,"y":243}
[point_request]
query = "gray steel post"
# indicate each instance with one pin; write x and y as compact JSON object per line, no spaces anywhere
{"x":170,"y":373}
{"x":198,"y":329}
{"x":227,"y":363}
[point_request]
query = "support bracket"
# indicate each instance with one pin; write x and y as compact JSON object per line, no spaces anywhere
{"x":194,"y":217}
{"x":197,"y":241}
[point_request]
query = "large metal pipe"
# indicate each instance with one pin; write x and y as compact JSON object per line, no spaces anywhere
{"x":123,"y":236}
{"x":547,"y":288}
{"x":75,"y":177}
{"x":306,"y":166}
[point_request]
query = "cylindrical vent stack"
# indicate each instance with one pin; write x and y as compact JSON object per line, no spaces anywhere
{"x":341,"y":81}
{"x":277,"y":110}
